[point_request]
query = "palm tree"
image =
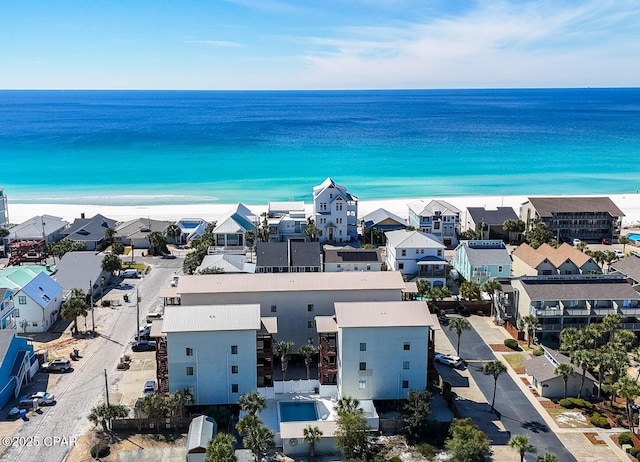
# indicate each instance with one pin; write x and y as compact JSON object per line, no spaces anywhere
{"x":611,"y":323}
{"x":179,"y":400}
{"x":459,"y":325}
{"x":308,"y":351}
{"x":565,"y":371}
{"x":521,"y":444}
{"x":495,"y":368}
{"x":628,"y":389}
{"x":252,"y":402}
{"x":470,"y":290}
{"x":547,"y":457}
{"x":259,"y":440}
{"x":221,"y":449}
{"x":73,"y":307}
{"x":284,"y":349}
{"x":584,"y":359}
{"x":491,"y":287}
{"x":529,"y":324}
{"x":174,"y":232}
{"x":311,"y":435}
{"x":109,"y":234}
{"x":624,"y":240}
{"x":104,"y":413}
{"x":347,"y":404}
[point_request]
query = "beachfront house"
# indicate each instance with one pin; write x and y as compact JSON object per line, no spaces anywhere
{"x":437,"y":217}
{"x":590,"y":219}
{"x":288,"y":257}
{"x":363,"y":367}
{"x":37,"y":304}
{"x":89,"y":231}
{"x":547,"y":260}
{"x":487,"y":223}
{"x":335,"y":213}
{"x":287,"y":221}
{"x":242,"y":342}
{"x":482,"y":260}
{"x":82,"y":270}
{"x":337,"y":259}
{"x":295,"y":299}
{"x":17,"y":364}
{"x":561,"y":301}
{"x":43,"y":227}
{"x":416,"y":255}
{"x":378,"y":222}
{"x":190,"y":229}
{"x":232,"y":228}
{"x":136,"y":232}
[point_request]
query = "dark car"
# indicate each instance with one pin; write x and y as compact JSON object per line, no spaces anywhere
{"x":606,"y":241}
{"x":143,"y":345}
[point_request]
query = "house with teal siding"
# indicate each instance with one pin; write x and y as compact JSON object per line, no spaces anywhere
{"x":17,"y":364}
{"x":482,"y":260}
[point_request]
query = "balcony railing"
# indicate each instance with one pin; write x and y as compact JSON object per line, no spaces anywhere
{"x":546,"y":312}
{"x":577,"y":311}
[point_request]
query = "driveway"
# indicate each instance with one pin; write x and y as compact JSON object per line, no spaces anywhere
{"x":515,"y":415}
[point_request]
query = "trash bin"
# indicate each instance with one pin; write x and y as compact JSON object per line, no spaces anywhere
{"x":126,"y":298}
{"x":23,"y":414}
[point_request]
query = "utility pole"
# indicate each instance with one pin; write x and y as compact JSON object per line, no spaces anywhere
{"x":106,"y":387}
{"x":93,"y":321}
{"x":137,"y":315}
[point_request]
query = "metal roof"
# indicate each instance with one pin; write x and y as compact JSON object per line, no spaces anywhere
{"x":326,"y":324}
{"x":402,"y":239}
{"x":478,"y":255}
{"x":380,"y":215}
{"x":205,"y":318}
{"x":350,"y":254}
{"x":382,"y":314}
{"x":202,"y":429}
{"x":42,"y":289}
{"x":423,"y":209}
{"x":284,"y":282}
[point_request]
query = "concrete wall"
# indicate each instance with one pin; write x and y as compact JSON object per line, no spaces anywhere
{"x":295,"y":321}
{"x":212,"y":361}
{"x":384,"y":357}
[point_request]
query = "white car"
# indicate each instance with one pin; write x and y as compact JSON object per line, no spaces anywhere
{"x":576,"y":242}
{"x":449,"y":360}
{"x":619,"y":253}
{"x":43,"y":398}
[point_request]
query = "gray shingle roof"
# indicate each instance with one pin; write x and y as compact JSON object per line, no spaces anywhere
{"x":545,"y":206}
{"x":89,"y":229}
{"x":76,"y":269}
{"x":582,"y":288}
{"x":629,"y":266}
{"x":543,"y":369}
{"x":492,"y":255}
{"x":492,"y":217}
{"x":288,"y":254}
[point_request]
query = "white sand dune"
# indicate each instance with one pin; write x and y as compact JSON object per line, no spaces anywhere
{"x":628,"y":203}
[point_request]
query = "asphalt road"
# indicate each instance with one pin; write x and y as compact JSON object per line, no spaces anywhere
{"x":514,"y":410}
{"x":50,"y":436}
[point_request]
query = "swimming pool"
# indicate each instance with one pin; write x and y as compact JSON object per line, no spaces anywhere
{"x":295,"y":411}
{"x":634,"y":237}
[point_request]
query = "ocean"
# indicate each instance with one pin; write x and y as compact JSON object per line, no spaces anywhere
{"x":179,"y":147}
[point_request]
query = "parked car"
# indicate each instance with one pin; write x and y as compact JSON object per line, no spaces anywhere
{"x":42,"y":397}
{"x":619,"y":253}
{"x":576,"y":242}
{"x":449,"y":360}
{"x":57,"y":365}
{"x":143,"y":345}
{"x":144,"y":333}
{"x":606,"y":241}
{"x":149,"y":387}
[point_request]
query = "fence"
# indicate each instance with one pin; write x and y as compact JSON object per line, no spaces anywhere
{"x":162,"y":425}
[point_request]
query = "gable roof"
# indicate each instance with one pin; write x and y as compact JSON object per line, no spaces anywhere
{"x":534,"y":257}
{"x":16,"y":277}
{"x":629,"y":266}
{"x":76,"y":270}
{"x":380,"y":215}
{"x":202,"y":429}
{"x":382,"y":314}
{"x":286,"y":207}
{"x":543,"y":369}
{"x":547,"y":206}
{"x":423,"y":209}
{"x":412,"y":239}
{"x":486,"y":255}
{"x":289,"y":253}
{"x":237,"y":221}
{"x":89,"y":229}
{"x":492,"y":217}
{"x":35,"y":227}
{"x":42,"y":289}
{"x":229,"y":263}
{"x":330,"y":184}
{"x":206,"y":318}
{"x":140,"y":228}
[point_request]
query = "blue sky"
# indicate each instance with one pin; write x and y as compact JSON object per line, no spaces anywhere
{"x":329,"y":44}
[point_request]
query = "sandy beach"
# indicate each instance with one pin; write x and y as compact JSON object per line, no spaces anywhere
{"x":18,"y":213}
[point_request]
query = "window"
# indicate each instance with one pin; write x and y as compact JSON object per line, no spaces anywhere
{"x":439,"y":252}
{"x":310,"y":307}
{"x":355,"y":267}
{"x":363,"y":366}
{"x":499,"y":269}
{"x":189,"y":370}
{"x":34,"y":324}
{"x":363,"y":346}
{"x":339,"y":205}
{"x":339,"y":221}
{"x":234,"y":369}
{"x":234,"y":349}
{"x":234,"y":388}
{"x":323,"y":206}
{"x":407,"y":346}
{"x":310,"y":324}
{"x":189,"y":351}
{"x":403,"y":252}
{"x":16,"y":313}
{"x":274,"y":308}
{"x":405,"y":384}
{"x":405,"y":365}
{"x":400,"y":266}
{"x":362,"y":385}
{"x":436,"y":225}
{"x":22,"y":299}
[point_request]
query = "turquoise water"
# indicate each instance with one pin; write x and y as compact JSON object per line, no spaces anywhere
{"x":173,"y":147}
{"x":634,"y":237}
{"x":297,"y":411}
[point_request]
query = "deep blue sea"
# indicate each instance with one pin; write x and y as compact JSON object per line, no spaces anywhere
{"x":168,"y":147}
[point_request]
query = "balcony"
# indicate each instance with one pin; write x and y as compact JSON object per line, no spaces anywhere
{"x":547,"y":311}
{"x":554,"y":327}
{"x":577,"y":311}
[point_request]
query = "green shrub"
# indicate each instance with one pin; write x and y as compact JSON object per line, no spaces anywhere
{"x":566,"y":403}
{"x":599,"y":421}
{"x":100,"y":450}
{"x":538,"y":352}
{"x":625,"y":438}
{"x":635,"y":452}
{"x":395,"y":459}
{"x":512,"y":343}
{"x":427,"y":450}
{"x":581,"y":403}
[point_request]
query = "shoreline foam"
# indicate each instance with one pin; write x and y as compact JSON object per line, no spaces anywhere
{"x":629,"y":203}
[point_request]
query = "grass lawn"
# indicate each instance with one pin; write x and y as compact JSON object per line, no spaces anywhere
{"x":516,"y":361}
